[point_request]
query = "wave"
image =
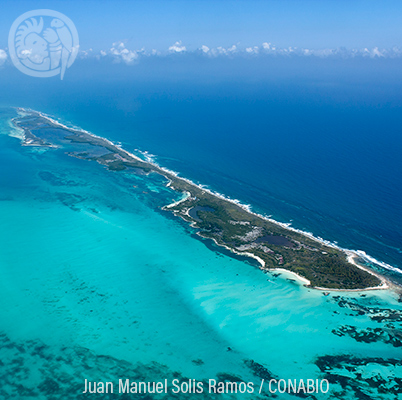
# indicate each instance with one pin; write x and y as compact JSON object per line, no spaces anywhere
{"x":148,"y":156}
{"x":372,"y":260}
{"x":151,"y":159}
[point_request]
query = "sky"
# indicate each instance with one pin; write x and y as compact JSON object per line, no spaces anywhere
{"x":232,"y":40}
{"x":312,"y":24}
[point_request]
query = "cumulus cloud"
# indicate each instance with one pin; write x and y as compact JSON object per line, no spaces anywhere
{"x":223,"y":51}
{"x":118,"y":52}
{"x":3,"y":57}
{"x":204,"y":49}
{"x":375,"y":52}
{"x":268,"y":47}
{"x":85,"y":53}
{"x":177,"y":48}
{"x":121,"y":53}
{"x":252,"y":50}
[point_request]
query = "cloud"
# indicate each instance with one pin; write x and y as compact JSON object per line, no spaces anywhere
{"x":253,"y":50}
{"x":120,"y":53}
{"x":222,"y":51}
{"x":177,"y":48}
{"x":85,"y":53}
{"x":266,"y":46}
{"x":3,"y":57}
{"x":229,"y":51}
{"x":375,"y":52}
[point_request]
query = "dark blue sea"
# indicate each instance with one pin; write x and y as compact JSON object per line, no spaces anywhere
{"x":317,"y":144}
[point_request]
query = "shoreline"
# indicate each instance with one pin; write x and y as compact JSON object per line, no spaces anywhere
{"x":168,"y":174}
{"x":385,"y":284}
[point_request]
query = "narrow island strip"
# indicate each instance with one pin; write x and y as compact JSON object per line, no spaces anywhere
{"x":276,"y":246}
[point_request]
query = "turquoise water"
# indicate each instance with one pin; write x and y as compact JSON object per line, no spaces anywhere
{"x":99,"y":283}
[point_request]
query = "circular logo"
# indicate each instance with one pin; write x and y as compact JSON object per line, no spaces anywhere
{"x":43,"y":43}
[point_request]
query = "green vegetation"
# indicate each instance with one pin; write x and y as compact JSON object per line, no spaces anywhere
{"x":234,"y":227}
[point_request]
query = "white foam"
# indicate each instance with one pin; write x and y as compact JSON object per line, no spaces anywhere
{"x":148,"y":156}
{"x":16,"y":131}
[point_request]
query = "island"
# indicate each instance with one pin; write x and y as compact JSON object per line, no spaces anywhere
{"x":274,"y":245}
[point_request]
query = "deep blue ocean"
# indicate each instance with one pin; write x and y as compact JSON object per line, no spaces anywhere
{"x":318,"y":145}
